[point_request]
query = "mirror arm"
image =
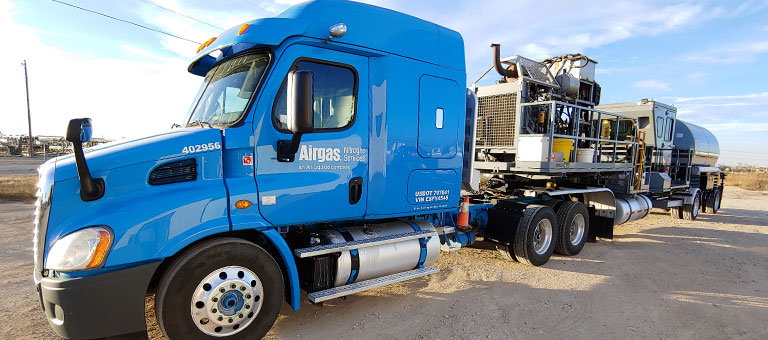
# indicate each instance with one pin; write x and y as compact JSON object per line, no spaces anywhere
{"x":286,"y":149}
{"x":90,"y":189}
{"x":79,"y":131}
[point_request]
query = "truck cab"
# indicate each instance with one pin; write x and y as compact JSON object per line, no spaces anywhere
{"x":332,"y":115}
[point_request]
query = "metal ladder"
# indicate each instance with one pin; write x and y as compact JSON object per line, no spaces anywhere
{"x":640,"y":160}
{"x":361,"y":286}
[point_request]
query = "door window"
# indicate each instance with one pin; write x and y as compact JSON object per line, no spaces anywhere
{"x":335,"y":93}
{"x":668,"y":129}
{"x":659,"y":126}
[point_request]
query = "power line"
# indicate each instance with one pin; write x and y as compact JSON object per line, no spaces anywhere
{"x":181,"y":14}
{"x":125,"y":21}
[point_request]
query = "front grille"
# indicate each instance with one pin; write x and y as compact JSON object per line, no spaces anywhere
{"x":42,"y":212}
{"x":496,"y":120}
{"x":174,"y":172}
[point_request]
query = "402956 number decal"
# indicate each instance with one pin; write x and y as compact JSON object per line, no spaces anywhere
{"x":201,"y":148}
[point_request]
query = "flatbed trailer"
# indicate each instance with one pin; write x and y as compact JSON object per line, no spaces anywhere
{"x":316,"y":158}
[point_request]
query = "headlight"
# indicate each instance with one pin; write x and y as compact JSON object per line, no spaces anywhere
{"x":83,"y":249}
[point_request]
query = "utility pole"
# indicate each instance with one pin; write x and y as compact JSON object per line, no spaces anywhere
{"x":29,"y":113}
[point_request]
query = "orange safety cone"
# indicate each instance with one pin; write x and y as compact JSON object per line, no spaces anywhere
{"x":463,"y":213}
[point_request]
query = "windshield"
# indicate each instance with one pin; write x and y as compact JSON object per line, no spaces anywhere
{"x":226,"y":90}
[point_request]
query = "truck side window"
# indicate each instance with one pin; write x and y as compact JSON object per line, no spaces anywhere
{"x":659,"y":127}
{"x":668,"y":130}
{"x":335,"y":91}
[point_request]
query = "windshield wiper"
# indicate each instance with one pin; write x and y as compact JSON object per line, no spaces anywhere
{"x":199,"y":122}
{"x":175,"y":125}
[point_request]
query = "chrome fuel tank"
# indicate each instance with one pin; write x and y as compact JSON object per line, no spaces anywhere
{"x":384,"y":259}
{"x":630,"y":208}
{"x":706,"y":149}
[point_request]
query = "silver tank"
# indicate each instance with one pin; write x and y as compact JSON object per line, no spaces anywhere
{"x":706,"y":149}
{"x":385,"y":259}
{"x":630,"y":208}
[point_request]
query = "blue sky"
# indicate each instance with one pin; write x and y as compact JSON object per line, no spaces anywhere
{"x":705,"y":57}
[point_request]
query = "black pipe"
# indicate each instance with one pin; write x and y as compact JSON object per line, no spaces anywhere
{"x":507,"y":73}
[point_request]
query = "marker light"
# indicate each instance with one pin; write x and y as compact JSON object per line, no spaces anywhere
{"x":337,"y":30}
{"x":206,"y":44}
{"x":242,"y":204}
{"x":243,"y":29}
{"x":83,"y":249}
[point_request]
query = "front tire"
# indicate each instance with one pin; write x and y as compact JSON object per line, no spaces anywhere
{"x":224,"y":288}
{"x":535,"y":234}
{"x":573,"y":218}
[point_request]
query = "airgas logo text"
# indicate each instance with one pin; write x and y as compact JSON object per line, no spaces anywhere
{"x":320,"y":155}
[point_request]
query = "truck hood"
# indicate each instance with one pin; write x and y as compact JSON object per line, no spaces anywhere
{"x":132,"y":151}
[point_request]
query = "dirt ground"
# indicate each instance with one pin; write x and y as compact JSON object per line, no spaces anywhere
{"x":658,"y":278}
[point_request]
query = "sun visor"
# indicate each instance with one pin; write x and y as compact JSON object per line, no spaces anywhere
{"x":203,"y":64}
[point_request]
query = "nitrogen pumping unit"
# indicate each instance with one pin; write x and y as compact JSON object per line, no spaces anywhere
{"x":334,"y":149}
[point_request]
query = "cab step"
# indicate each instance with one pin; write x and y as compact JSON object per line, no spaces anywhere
{"x":368,"y":242}
{"x":362,"y":286}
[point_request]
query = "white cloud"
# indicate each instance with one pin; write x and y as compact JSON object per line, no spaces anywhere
{"x":652,"y":84}
{"x":561,"y":27}
{"x":740,"y":122}
{"x":125,"y":97}
{"x":722,"y":98}
{"x":730,"y":53}
{"x":148,"y":54}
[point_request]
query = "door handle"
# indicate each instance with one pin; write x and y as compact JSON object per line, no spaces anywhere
{"x":355,"y":190}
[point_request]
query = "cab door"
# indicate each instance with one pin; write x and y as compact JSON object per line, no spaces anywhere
{"x":327,"y":180}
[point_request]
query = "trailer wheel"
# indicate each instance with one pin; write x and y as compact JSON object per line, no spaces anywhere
{"x":676,"y":212}
{"x":573,"y":218}
{"x":713,"y":205}
{"x":535,"y":235}
{"x":225,"y":287}
{"x":691,"y":211}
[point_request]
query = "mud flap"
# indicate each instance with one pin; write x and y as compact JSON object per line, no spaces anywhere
{"x":502,"y":222}
{"x":600,"y":226}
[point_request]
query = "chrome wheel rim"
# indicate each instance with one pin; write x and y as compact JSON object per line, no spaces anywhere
{"x":577,"y":229}
{"x":226,"y":301}
{"x":542,"y":236}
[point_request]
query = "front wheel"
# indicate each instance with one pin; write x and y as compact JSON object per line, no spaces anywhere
{"x":224,"y":288}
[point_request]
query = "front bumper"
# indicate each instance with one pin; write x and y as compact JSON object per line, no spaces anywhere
{"x":97,"y":306}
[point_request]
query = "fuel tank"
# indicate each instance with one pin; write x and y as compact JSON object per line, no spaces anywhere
{"x":629,"y":208}
{"x":706,"y":149}
{"x":380,"y":260}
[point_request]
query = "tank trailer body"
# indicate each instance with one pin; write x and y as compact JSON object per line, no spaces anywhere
{"x":324,"y":160}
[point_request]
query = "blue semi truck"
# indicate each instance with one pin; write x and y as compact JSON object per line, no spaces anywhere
{"x":334,"y":149}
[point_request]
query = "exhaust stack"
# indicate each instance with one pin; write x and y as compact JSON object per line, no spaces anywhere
{"x":510,"y":72}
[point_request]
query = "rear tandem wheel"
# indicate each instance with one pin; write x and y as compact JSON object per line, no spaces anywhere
{"x":533,"y":243}
{"x":573,"y":218}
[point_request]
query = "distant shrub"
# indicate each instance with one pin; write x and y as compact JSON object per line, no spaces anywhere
{"x":21,"y":188}
{"x":748,"y":180}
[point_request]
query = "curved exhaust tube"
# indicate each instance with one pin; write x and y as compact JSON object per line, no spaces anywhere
{"x":507,"y":73}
